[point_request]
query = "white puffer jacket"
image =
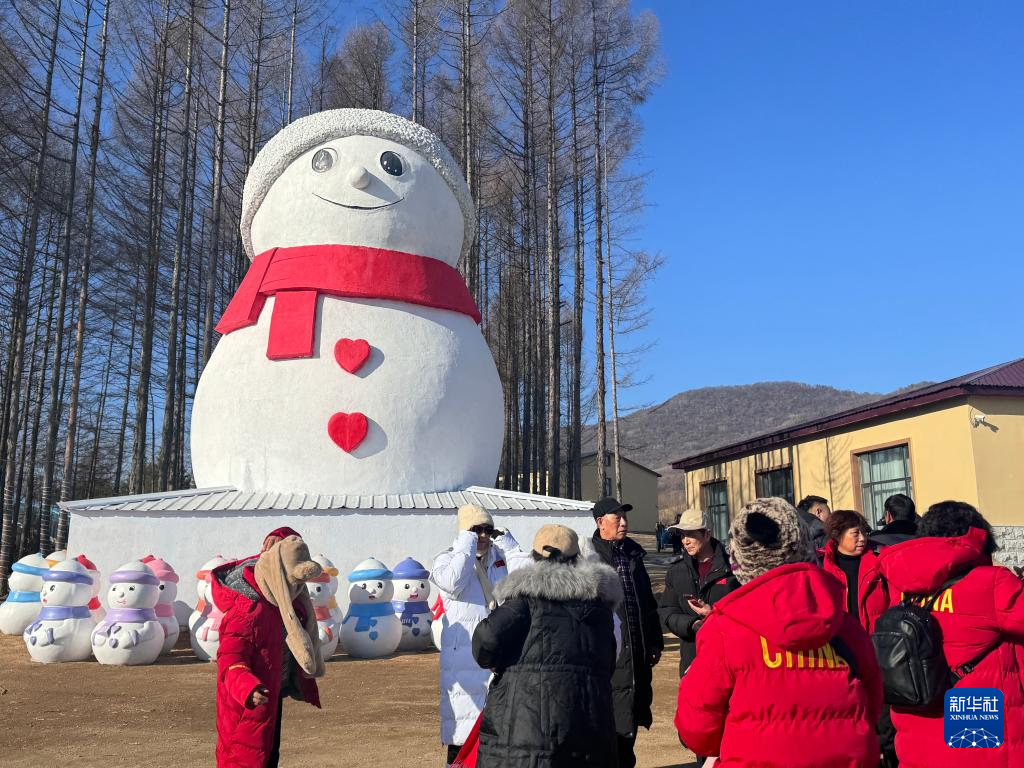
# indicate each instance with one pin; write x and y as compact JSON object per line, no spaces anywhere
{"x":463,"y":681}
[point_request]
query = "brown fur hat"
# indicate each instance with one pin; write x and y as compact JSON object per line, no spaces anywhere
{"x":281,"y":573}
{"x":765,"y":534}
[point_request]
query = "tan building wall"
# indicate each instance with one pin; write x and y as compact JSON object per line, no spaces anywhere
{"x":999,"y":458}
{"x":639,"y":488}
{"x":950,"y":458}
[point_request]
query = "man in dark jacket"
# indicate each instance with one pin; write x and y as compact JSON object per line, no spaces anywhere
{"x":900,"y":525}
{"x":642,"y":640}
{"x":551,"y":644}
{"x":814,"y":511}
{"x":694,"y":583}
{"x":900,"y":521}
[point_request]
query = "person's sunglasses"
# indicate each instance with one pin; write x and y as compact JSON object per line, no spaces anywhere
{"x":486,"y":530}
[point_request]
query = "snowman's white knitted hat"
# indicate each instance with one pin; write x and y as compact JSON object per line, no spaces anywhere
{"x":311,"y":131}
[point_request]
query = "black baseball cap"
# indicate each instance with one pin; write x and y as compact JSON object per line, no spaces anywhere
{"x":609,"y":504}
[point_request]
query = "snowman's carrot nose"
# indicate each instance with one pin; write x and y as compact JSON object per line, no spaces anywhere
{"x":359,"y":177}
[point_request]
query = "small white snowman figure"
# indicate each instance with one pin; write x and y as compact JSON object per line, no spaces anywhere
{"x":412,"y":588}
{"x":22,"y":603}
{"x":321,"y":593}
{"x":370,"y":629}
{"x":130,"y":633}
{"x":438,"y":621}
{"x":165,"y":607}
{"x":355,"y":221}
{"x":95,"y":607}
{"x":337,"y":615}
{"x":64,"y":626}
{"x":204,"y":623}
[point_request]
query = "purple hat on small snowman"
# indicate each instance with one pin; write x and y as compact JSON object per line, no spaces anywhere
{"x":411,"y":569}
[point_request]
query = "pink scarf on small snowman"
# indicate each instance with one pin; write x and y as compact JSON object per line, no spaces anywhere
{"x":296,"y":276}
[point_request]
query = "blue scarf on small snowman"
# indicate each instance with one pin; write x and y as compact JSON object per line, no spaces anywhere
{"x":366,"y":614}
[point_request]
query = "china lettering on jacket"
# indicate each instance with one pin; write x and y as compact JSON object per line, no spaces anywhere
{"x":816,"y":658}
{"x":943,"y":603}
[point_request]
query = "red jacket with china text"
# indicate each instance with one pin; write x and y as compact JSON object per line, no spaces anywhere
{"x":983,"y":612}
{"x":768,"y":686}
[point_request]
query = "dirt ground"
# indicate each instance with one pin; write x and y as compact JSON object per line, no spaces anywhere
{"x":381,"y":713}
{"x":376,"y":713}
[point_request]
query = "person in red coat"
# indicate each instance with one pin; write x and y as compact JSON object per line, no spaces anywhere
{"x":982,"y":621}
{"x":848,"y":557}
{"x":268,"y":650}
{"x":784,"y":676}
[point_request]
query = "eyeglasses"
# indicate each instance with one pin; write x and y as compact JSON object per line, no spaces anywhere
{"x":486,"y":530}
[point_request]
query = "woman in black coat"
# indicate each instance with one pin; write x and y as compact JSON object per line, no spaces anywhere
{"x":552,"y":646}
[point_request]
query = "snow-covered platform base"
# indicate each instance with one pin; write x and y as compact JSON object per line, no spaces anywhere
{"x":187,"y":528}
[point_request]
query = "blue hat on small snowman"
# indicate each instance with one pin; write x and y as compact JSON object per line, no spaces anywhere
{"x":371,"y":568}
{"x":411,"y":569}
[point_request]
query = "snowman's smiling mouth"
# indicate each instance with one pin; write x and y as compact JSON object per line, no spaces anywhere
{"x":358,"y":207}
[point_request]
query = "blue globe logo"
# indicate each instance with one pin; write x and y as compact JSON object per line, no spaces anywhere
{"x":973,"y":738}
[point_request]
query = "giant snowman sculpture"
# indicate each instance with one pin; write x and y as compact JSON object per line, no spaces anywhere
{"x":352,"y":395}
{"x":353,"y":336}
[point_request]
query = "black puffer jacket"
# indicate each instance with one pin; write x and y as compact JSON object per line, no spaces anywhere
{"x":632,"y":693}
{"x":895,"y":532}
{"x":817,"y":528}
{"x":683,"y":579}
{"x":551,"y":644}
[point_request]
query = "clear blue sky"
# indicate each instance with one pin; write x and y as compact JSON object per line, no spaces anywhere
{"x":838,"y":191}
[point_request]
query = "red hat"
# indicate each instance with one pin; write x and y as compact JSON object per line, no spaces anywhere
{"x":278,"y":533}
{"x":283,"y":532}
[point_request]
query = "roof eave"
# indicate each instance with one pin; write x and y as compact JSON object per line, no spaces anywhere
{"x":787,"y":437}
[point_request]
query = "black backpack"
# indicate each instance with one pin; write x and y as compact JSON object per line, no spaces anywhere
{"x":908,"y":643}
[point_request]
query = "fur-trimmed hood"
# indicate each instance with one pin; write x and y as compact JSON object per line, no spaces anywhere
{"x":583,"y":580}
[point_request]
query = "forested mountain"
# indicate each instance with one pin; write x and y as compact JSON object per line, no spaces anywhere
{"x":699,"y":420}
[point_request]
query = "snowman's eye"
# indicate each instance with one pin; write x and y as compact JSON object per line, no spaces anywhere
{"x":392,"y":163}
{"x":131,"y":589}
{"x":161,"y":586}
{"x":323,"y":160}
{"x":422,"y":585}
{"x":53,"y":587}
{"x":406,"y":586}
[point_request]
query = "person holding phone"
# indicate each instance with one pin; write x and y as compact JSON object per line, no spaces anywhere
{"x":693,"y":583}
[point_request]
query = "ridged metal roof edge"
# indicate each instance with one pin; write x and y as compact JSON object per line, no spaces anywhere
{"x":229,"y":499}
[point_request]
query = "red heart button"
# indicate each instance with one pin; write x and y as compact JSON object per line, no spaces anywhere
{"x":351,"y":354}
{"x":347,"y":430}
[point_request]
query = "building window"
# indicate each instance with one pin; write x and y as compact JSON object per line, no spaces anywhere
{"x":776,"y":482}
{"x":883,"y":473}
{"x":607,"y":486}
{"x":716,"y":507}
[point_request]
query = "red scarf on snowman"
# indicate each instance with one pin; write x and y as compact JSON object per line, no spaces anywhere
{"x":296,"y":276}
